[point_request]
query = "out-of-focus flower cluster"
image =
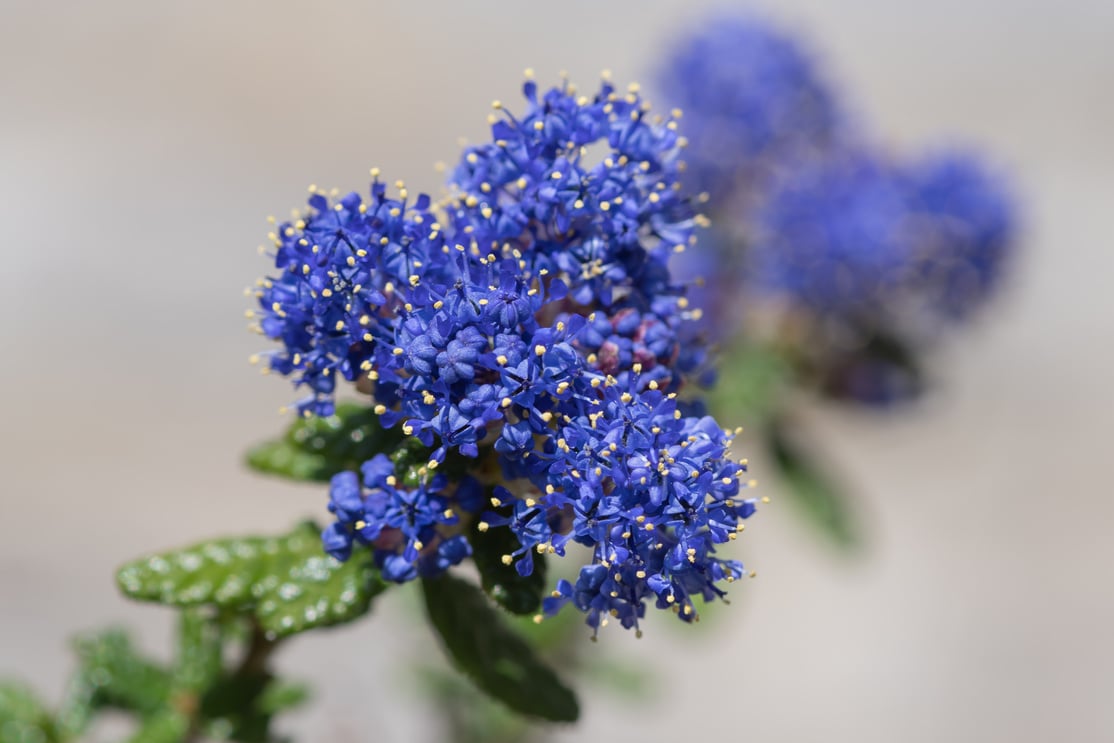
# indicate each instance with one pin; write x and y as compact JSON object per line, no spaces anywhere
{"x":528,"y":318}
{"x":821,"y":241}
{"x":751,"y":96}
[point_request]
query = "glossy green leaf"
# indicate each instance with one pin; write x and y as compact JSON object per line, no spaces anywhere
{"x":496,"y":658}
{"x":811,"y":489}
{"x":515,"y":593}
{"x":23,"y":718}
{"x":286,"y":583}
{"x":119,"y":675}
{"x":317,"y":448}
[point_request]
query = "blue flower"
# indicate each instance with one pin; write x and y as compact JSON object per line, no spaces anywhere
{"x":753,"y":100}
{"x":834,"y":238}
{"x":405,"y":526}
{"x":530,"y":322}
{"x":965,"y":231}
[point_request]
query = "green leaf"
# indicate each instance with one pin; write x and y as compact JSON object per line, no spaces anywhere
{"x":200,"y":647}
{"x":496,"y":658}
{"x":168,"y":726}
{"x":317,"y":448}
{"x":286,"y":583}
{"x":751,"y":381}
{"x":515,"y":593}
{"x":280,"y":696}
{"x":811,"y":489}
{"x":76,"y":709}
{"x":23,"y":718}
{"x":119,"y":675}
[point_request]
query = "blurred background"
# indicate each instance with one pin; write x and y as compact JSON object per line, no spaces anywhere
{"x":143,"y":145}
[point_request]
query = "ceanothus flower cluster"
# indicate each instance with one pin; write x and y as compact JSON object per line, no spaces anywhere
{"x":528,"y":319}
{"x":848,"y":261}
{"x":966,"y":229}
{"x":860,"y":240}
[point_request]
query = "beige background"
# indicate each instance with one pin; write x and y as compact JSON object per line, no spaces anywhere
{"x":142,"y":144}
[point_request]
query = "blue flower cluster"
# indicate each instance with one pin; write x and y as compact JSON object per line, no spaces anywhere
{"x":862,"y":241}
{"x":753,"y":97}
{"x":965,"y":232}
{"x":530,"y":318}
{"x":402,"y":524}
{"x":821,"y":241}
{"x":832,"y":238}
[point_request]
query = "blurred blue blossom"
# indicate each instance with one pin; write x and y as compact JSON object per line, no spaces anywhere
{"x":832,"y":238}
{"x":754,"y":99}
{"x":966,"y":229}
{"x":848,"y":259}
